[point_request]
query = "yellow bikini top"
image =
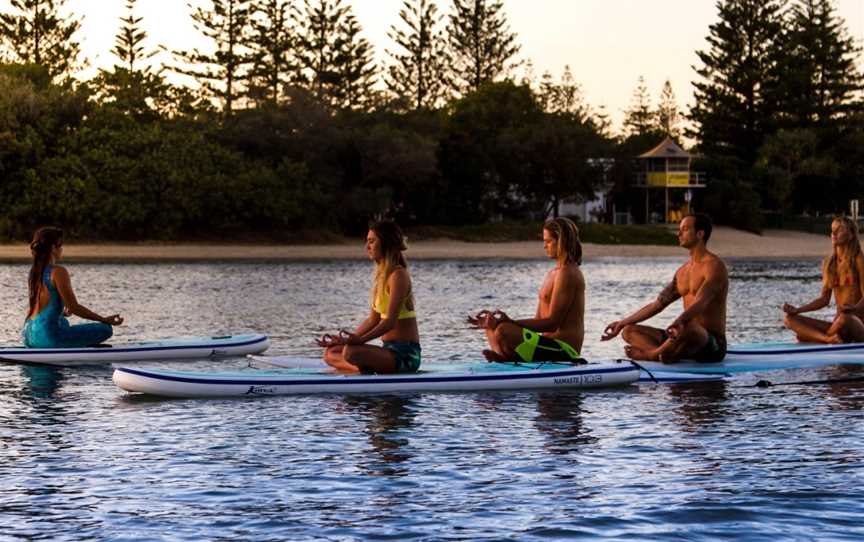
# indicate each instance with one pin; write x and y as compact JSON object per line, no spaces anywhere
{"x":383,"y":301}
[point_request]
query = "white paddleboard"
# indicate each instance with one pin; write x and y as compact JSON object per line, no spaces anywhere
{"x":475,"y":377}
{"x":753,"y":357}
{"x":166,"y":349}
{"x":293,"y":362}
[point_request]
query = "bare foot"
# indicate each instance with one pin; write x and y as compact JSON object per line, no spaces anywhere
{"x":492,"y":355}
{"x":835,"y":339}
{"x":636,"y":353}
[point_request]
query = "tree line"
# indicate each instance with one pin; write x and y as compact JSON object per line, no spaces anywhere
{"x":292,"y":127}
{"x":778,"y":110}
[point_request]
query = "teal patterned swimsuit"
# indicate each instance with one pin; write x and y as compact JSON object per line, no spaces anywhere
{"x":406,"y":354}
{"x":50,"y":329}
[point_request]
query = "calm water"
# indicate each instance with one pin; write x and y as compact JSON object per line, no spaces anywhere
{"x":81,"y":460}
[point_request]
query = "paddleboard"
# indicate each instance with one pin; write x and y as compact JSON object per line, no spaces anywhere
{"x":474,"y":377}
{"x":769,"y":356}
{"x":292,"y":362}
{"x":176,"y":348}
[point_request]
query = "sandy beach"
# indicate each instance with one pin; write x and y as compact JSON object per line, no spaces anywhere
{"x":727,"y":242}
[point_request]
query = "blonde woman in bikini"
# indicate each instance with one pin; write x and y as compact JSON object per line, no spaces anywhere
{"x":391,"y":317}
{"x":842,"y":276}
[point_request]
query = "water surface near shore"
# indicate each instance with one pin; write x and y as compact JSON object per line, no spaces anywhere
{"x":84,"y":461}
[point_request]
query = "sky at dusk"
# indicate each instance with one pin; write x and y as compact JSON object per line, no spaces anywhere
{"x":608,"y":44}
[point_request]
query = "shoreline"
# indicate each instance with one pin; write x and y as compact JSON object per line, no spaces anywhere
{"x":726,"y":242}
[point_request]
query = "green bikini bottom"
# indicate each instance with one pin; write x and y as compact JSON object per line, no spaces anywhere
{"x":537,"y":347}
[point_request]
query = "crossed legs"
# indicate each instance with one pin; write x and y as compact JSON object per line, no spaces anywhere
{"x":845,"y":328}
{"x":359,"y":358}
{"x":651,"y":344}
{"x":503,"y":341}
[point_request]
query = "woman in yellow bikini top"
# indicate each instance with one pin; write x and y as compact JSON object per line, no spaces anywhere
{"x":382,"y":302}
{"x":392,"y":316}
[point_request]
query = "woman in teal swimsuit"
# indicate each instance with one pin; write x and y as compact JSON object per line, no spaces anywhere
{"x":392,"y":316}
{"x":52,"y":298}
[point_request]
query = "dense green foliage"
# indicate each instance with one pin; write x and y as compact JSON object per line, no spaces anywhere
{"x":292,"y":127}
{"x":778,"y":112}
{"x":120,"y":168}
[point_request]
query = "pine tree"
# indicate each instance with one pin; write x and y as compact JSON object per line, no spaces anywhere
{"x":272,"y":41}
{"x":528,"y":78}
{"x":355,"y":65}
{"x":546,"y":90}
{"x":130,"y":86}
{"x":564,"y":97}
{"x":667,"y":117}
{"x":316,"y":47}
{"x":734,"y":107}
{"x":639,"y":119}
{"x":38,"y":34}
{"x":482,"y":46}
{"x":128,"y":44}
{"x":337,"y":62}
{"x":222,"y":73}
{"x":419,"y":71}
{"x":819,"y":77}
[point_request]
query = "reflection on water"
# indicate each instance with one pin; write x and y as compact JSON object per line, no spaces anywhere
{"x":81,"y":460}
{"x":848,"y":387}
{"x":386,"y":418}
{"x":559,"y":417}
{"x":42,"y":382}
{"x":700,"y":404}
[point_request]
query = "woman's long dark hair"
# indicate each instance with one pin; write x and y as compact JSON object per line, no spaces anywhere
{"x":44,"y":241}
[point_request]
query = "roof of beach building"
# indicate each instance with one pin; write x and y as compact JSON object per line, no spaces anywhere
{"x":666,"y":149}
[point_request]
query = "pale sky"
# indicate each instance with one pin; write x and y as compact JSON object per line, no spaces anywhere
{"x":607,"y":43}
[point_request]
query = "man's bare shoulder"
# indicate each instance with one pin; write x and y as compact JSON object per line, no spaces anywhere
{"x":571,"y":272}
{"x":572,"y":269}
{"x":716,"y":263}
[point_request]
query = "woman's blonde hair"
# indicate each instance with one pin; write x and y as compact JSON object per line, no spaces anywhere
{"x":854,"y":250}
{"x":391,"y":240}
{"x":569,"y":247}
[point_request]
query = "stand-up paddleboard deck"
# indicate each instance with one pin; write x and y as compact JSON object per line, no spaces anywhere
{"x":177,"y":348}
{"x":754,"y":357}
{"x":469,"y":377}
{"x":292,"y":362}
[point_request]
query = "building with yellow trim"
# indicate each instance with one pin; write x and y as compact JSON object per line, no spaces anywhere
{"x":664,"y":171}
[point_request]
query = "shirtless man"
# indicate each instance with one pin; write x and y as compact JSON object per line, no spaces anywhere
{"x":558,"y":328}
{"x":842,"y":275}
{"x":699,"y":333}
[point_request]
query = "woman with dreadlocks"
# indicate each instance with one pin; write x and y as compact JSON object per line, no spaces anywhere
{"x":842,"y":276}
{"x":391,"y":317}
{"x":51,"y":296}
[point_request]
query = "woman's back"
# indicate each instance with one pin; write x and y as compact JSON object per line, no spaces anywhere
{"x":49,"y":304}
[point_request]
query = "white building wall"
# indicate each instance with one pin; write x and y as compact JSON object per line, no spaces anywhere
{"x":587,"y":211}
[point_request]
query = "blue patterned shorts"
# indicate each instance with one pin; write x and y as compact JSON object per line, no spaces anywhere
{"x":407,"y":354}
